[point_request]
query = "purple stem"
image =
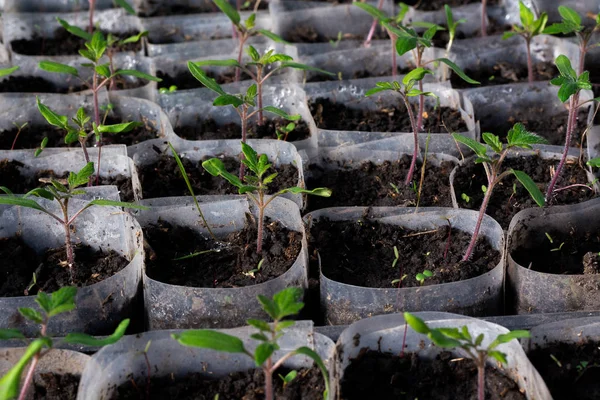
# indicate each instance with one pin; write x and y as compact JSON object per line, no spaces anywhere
{"x":373,"y":26}
{"x":481,"y":382}
{"x":486,"y":200}
{"x":483,"y":18}
{"x":413,"y":163}
{"x":421,"y":108}
{"x":394,"y":61}
{"x":260,"y":96}
{"x":244,"y":129}
{"x":529,"y":61}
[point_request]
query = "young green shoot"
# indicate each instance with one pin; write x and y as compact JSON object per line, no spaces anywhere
{"x":260,"y":68}
{"x":422,"y":276}
{"x":20,"y":127}
{"x":50,"y":305}
{"x":283,"y":132}
{"x":286,"y":380}
{"x":252,"y":273}
{"x":530,"y":27}
{"x":451,"y":25}
{"x":491,"y":156}
{"x":255,"y":186}
{"x":484,"y":18}
{"x":407,"y":89}
{"x":396,"y":257}
{"x":284,"y":304}
{"x":62,"y":194}
{"x":455,"y":338}
{"x":170,"y":90}
{"x":570,"y":85}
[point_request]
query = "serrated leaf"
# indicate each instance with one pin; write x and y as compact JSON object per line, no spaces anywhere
{"x":103,"y":70}
{"x":569,"y":15}
{"x":269,"y":306}
{"x":263,"y":352}
{"x":518,"y":136}
{"x":564,"y":67}
{"x":493,"y":141}
{"x":75,"y":30}
{"x":288,"y":301}
{"x":64,"y":296}
{"x":259,"y":324}
{"x":81,"y":177}
{"x":531,"y":187}
{"x":72,"y":135}
{"x":31,"y":314}
{"x":416,"y":74}
{"x":87,"y":340}
{"x":477,"y":147}
{"x":405,"y":44}
{"x":228,"y":10}
{"x":458,"y":71}
{"x":284,"y":325}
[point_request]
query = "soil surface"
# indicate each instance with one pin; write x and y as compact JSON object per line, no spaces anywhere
{"x":381,"y":185}
{"x":62,"y":43}
{"x":226,"y":266}
{"x":336,"y":116}
{"x":163,"y":178}
{"x":361,"y":253}
{"x":210,"y":130}
{"x":432,"y":5}
{"x":494,"y":27}
{"x":246,"y":385}
{"x":504,"y":73}
{"x":34,"y":84}
{"x":553,"y":128}
{"x":510,"y":196}
{"x":165,"y":10}
{"x":571,"y":253}
{"x":185,"y":80}
{"x":308,"y":34}
{"x":11,"y":177}
{"x":50,"y":386}
{"x":21,"y":262}
{"x":376,"y":375}
{"x":577,"y":377}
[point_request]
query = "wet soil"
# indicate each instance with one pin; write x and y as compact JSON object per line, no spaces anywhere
{"x":510,"y":196}
{"x":577,"y":376}
{"x":34,"y":84}
{"x":247,"y":385}
{"x":376,"y":375}
{"x":185,"y":80}
{"x":361,"y":253}
{"x":12,"y":178}
{"x":433,"y":5}
{"x":336,"y":116}
{"x":21,"y":262}
{"x":381,"y":185}
{"x":225,"y":267}
{"x":62,"y":43}
{"x":209,"y":130}
{"x":163,"y":178}
{"x":51,"y":386}
{"x":505,"y":73}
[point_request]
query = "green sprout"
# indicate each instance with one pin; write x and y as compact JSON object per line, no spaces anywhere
{"x":170,"y":90}
{"x":284,"y":131}
{"x":422,"y":276}
{"x":288,"y":378}
{"x":465,"y":197}
{"x":396,"y":257}
{"x":256,"y":270}
{"x":452,"y":25}
{"x":284,"y":304}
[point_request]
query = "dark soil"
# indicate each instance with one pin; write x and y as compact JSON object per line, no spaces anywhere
{"x":308,"y":34}
{"x":510,"y":196}
{"x":185,"y":80}
{"x":210,"y":130}
{"x":34,"y":84}
{"x":336,"y":116}
{"x":225,"y":267}
{"x":371,"y":185}
{"x":247,"y":385}
{"x":21,"y":262}
{"x":504,"y":73}
{"x":578,"y":377}
{"x":493,"y":28}
{"x":62,"y":43}
{"x":50,"y":386}
{"x":553,"y":129}
{"x":568,"y":254}
{"x":361,"y":253}
{"x":432,"y":5}
{"x":382,"y":376}
{"x":137,"y":135}
{"x":165,"y":10}
{"x":163,"y":178}
{"x":10,"y":177}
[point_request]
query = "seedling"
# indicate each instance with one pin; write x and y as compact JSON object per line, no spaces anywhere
{"x":570,"y":85}
{"x":462,"y":339}
{"x":396,"y":257}
{"x":483,"y":18}
{"x":284,"y":131}
{"x":422,"y":276}
{"x":530,"y":27}
{"x":257,"y":69}
{"x":492,"y":156}
{"x":465,"y":197}
{"x":240,"y":102}
{"x":256,"y":270}
{"x":246,"y":29}
{"x":50,"y":305}
{"x":559,"y":248}
{"x":288,"y":378}
{"x":255,"y":186}
{"x":102,"y":74}
{"x":399,"y":281}
{"x":284,"y":304}
{"x":571,"y":24}
{"x":20,"y":127}
{"x":62,"y":194}
{"x":452,"y":25}
{"x":336,"y":43}
{"x":171,"y":89}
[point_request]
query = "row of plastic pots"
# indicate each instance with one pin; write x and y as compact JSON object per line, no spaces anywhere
{"x":126,"y":361}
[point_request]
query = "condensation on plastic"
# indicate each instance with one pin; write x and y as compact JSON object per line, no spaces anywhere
{"x":583,"y":7}
{"x":26,"y":25}
{"x":351,"y":93}
{"x":116,"y":364}
{"x":572,"y":331}
{"x":278,"y":152}
{"x":180,"y":307}
{"x":539,"y":292}
{"x":56,"y":6}
{"x":188,"y":107}
{"x":208,"y":48}
{"x":471,"y":13}
{"x":101,"y":306}
{"x":313,"y":49}
{"x":385,"y":333}
{"x":482,"y":295}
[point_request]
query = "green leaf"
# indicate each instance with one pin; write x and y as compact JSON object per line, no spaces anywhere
{"x":228,"y":10}
{"x":87,"y":340}
{"x":430,"y":33}
{"x":531,"y":187}
{"x":458,"y":71}
{"x":81,"y":177}
{"x":526,"y":15}
{"x":263,"y":352}
{"x":215,"y":167}
{"x":493,"y":141}
{"x":7,"y":334}
{"x":404,"y":44}
{"x":518,"y":136}
{"x":253,"y":53}
{"x":218,"y":63}
{"x":31,"y":314}
{"x":569,"y":15}
{"x":560,"y":28}
{"x":208,"y":339}
{"x":279,"y":112}
{"x":439,"y":339}
{"x":53,"y":119}
{"x":261,"y":337}
{"x":40,"y":192}
{"x":8,"y":71}
{"x":477,"y":147}
{"x":415,"y":75}
{"x":112,"y":203}
{"x":58,"y":68}
{"x":259,"y":324}
{"x":317,"y":359}
{"x":228,"y":100}
{"x":63,"y":299}
{"x":252,"y":91}
{"x":272,"y":36}
{"x":134,"y":38}
{"x":507,"y":35}
{"x":75,"y":30}
{"x":507,"y":337}
{"x":204,"y":79}
{"x":452,"y":333}
{"x":416,"y":323}
{"x":124,"y":4}
{"x":138,"y":74}
{"x":564,"y":67}
{"x":567,"y":90}
{"x":498,"y":355}
{"x":288,"y":302}
{"x":322,"y":192}
{"x":594,"y":162}
{"x":376,"y":90}
{"x":269,"y":306}
{"x":284,"y":325}
{"x":479,"y":339}
{"x":372,"y":11}
{"x":9,"y":384}
{"x":119,"y":128}
{"x":278,"y":58}
{"x":21,"y":202}
{"x":304,"y":67}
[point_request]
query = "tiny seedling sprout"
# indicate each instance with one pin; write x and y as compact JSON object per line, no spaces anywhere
{"x":396,"y":257}
{"x":252,"y":273}
{"x":50,"y":305}
{"x":284,"y":304}
{"x":452,"y":25}
{"x":255,"y":186}
{"x":422,"y":276}
{"x":455,"y":338}
{"x":284,"y":131}
{"x":465,"y":197}
{"x":288,"y":378}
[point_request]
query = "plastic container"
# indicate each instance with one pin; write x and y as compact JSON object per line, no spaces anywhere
{"x":180,"y":307}
{"x":101,"y":306}
{"x":56,"y":6}
{"x":198,"y":49}
{"x":482,"y":295}
{"x":385,"y":333}
{"x":551,"y":8}
{"x":471,"y":13}
{"x":539,"y":292}
{"x":115,"y":364}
